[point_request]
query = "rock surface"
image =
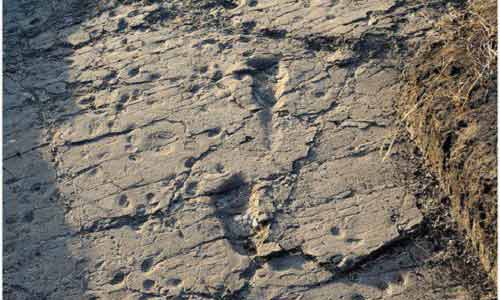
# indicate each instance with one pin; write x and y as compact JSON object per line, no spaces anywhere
{"x":210,"y":149}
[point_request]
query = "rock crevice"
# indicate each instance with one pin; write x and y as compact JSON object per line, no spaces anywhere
{"x":211,"y":150}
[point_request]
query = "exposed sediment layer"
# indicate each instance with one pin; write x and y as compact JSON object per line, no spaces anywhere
{"x":211,"y":149}
{"x":450,"y":109}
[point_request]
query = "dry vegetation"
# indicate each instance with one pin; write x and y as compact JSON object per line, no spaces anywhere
{"x":465,"y":52}
{"x":449,"y":106}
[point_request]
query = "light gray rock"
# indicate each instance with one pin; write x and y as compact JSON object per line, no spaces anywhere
{"x":209,"y":150}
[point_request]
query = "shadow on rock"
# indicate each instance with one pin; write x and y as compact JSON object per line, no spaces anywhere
{"x":38,"y":260}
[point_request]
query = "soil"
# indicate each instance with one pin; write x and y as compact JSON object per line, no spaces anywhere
{"x":456,"y":130}
{"x":216,"y":150}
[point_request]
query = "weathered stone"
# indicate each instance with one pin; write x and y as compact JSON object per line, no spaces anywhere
{"x":210,"y":149}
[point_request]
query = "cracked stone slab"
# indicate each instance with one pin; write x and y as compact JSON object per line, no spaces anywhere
{"x":208,"y":149}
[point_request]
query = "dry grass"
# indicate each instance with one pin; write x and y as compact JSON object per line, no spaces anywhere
{"x":467,"y":46}
{"x":449,"y":106}
{"x":466,"y":42}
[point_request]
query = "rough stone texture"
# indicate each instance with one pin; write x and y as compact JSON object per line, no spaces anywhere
{"x":208,"y":150}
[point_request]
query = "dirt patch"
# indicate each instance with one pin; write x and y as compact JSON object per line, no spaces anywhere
{"x":455,"y":253}
{"x":449,"y":106}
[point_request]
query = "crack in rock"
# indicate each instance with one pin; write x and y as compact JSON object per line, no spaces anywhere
{"x":210,"y":149}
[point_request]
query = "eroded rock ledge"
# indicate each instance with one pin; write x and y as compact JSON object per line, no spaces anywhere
{"x":211,"y":149}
